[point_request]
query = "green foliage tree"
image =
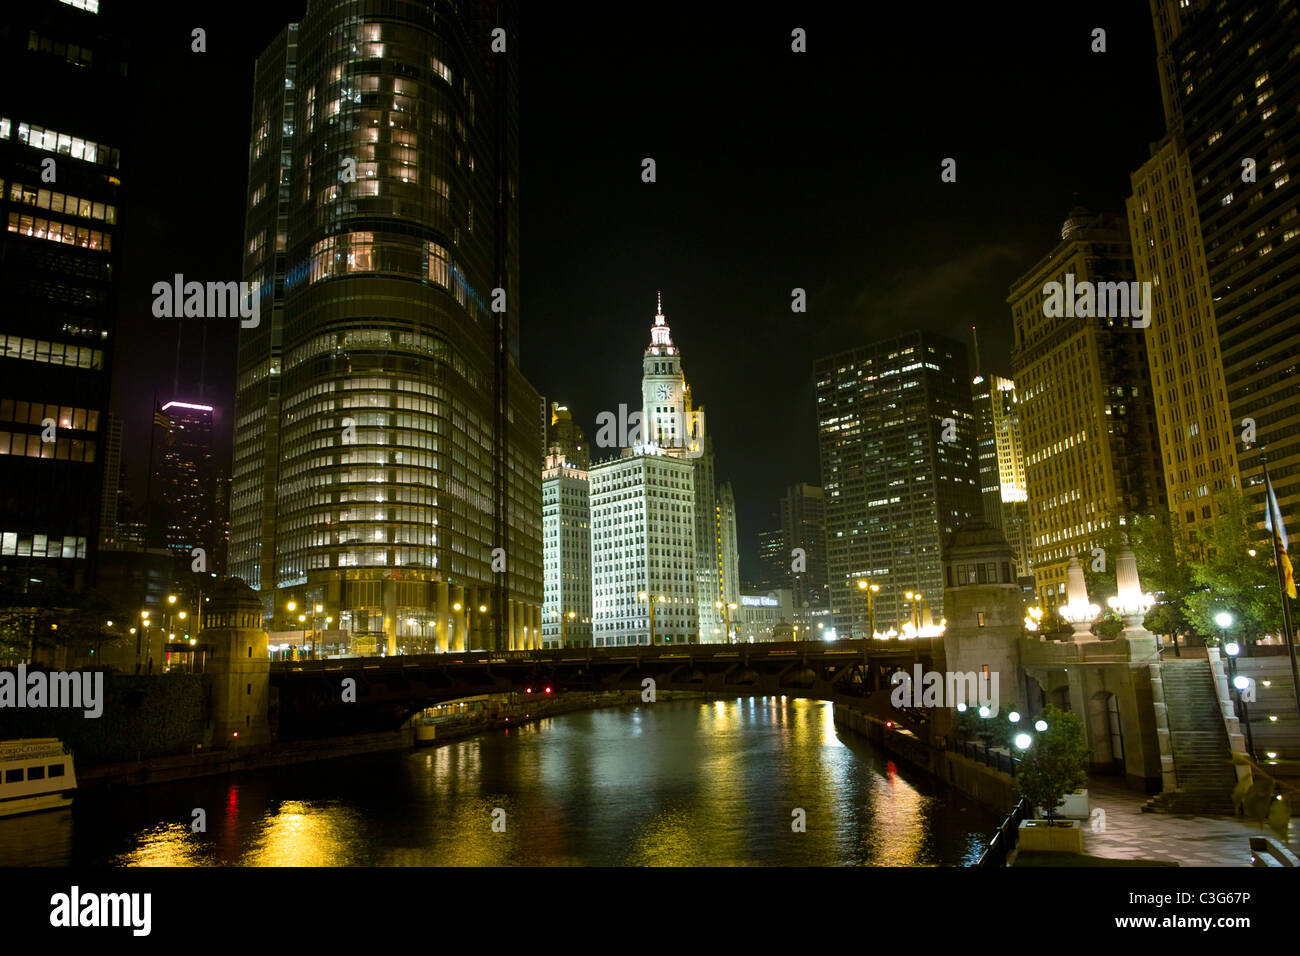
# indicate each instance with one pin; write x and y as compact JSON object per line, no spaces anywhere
{"x":1055,"y":763}
{"x":1229,"y":578}
{"x":1164,"y":569}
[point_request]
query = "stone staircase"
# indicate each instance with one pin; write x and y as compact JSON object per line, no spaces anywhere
{"x":1202,"y":756}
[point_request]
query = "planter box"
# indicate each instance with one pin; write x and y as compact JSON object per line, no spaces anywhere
{"x":1064,"y":837}
{"x":1074,"y":806}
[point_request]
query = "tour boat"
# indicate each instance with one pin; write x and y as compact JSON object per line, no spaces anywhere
{"x":35,"y":774}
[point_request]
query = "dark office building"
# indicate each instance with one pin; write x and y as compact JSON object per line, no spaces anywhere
{"x":803,"y":523}
{"x":1237,"y":74}
{"x":897,"y":439}
{"x":184,"y":487}
{"x":386,"y":443}
{"x":773,"y":560}
{"x":62,"y":78}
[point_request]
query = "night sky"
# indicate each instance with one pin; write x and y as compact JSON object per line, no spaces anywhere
{"x":775,"y":170}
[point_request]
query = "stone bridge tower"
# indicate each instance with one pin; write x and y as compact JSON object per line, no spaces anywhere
{"x":238,"y":665}
{"x":983,"y":609}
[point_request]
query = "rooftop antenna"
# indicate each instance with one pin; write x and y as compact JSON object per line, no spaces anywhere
{"x":979,"y":369}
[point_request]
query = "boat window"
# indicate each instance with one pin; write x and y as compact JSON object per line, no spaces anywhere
{"x":56,"y":769}
{"x":14,"y":776}
{"x":35,"y":773}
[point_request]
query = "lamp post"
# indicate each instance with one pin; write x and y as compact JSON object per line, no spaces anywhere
{"x":726,"y":610}
{"x":144,"y":625}
{"x":564,"y":619}
{"x":1239,"y":684}
{"x":482,"y":609}
{"x":915,"y":598}
{"x":651,"y":601}
{"x":870,"y":590}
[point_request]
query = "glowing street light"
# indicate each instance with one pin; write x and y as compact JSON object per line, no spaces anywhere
{"x":870,"y":590}
{"x":658,"y":598}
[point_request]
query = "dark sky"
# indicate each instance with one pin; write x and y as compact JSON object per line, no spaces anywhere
{"x":775,"y":170}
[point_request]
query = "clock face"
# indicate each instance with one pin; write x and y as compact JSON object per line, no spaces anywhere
{"x":664,"y":392}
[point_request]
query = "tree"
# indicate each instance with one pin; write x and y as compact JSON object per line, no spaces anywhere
{"x":1163,"y":567}
{"x":1229,"y":578}
{"x":1055,"y":762}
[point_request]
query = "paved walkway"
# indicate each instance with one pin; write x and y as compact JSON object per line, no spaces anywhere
{"x":1185,"y":840}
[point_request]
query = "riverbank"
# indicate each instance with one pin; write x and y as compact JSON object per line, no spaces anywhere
{"x":988,"y":787}
{"x":137,"y":773}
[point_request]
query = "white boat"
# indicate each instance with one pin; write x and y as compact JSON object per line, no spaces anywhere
{"x":35,"y":774}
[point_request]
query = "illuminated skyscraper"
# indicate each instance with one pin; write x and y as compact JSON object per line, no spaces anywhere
{"x":62,"y":79}
{"x":1237,"y":106}
{"x":897,"y":438}
{"x":1091,"y":453}
{"x":566,"y":552}
{"x":1197,"y":435}
{"x":1002,"y":463}
{"x":386,"y":443}
{"x":184,"y":484}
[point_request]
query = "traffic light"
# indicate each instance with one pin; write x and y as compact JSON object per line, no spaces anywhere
{"x":548,"y":690}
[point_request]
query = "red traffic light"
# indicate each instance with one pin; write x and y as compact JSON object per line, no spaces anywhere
{"x":548,"y":690}
{"x":528,"y":690}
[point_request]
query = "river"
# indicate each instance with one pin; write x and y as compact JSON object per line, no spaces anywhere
{"x":681,"y":783}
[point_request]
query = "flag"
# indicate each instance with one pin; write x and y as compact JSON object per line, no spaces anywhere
{"x":1273,"y":524}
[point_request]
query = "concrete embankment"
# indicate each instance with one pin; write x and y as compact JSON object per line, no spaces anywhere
{"x":240,"y":759}
{"x":985,"y":785}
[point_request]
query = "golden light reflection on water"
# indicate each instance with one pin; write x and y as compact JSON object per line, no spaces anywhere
{"x":670,"y":784}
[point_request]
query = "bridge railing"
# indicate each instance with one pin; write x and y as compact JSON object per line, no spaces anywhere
{"x":1004,"y":841}
{"x":997,"y":759}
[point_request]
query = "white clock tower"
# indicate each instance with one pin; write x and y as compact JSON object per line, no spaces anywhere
{"x":668,"y":420}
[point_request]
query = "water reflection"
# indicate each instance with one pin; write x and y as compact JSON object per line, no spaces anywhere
{"x":683,"y":783}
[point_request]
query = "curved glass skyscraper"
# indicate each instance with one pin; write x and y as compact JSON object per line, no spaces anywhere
{"x":386,"y":444}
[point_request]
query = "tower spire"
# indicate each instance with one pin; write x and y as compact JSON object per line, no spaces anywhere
{"x":659,"y":305}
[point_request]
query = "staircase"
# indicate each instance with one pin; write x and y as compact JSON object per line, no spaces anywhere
{"x":1202,"y":757}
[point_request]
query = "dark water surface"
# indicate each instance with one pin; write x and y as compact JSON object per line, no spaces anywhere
{"x":672,"y":783}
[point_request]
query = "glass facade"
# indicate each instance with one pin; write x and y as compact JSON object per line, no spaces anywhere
{"x":62,"y":77}
{"x":406,"y":496}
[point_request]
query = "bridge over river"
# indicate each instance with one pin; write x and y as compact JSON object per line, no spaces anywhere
{"x":309,"y":698}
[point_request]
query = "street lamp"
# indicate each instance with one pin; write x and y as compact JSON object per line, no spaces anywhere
{"x":726,"y":610}
{"x":482,"y":608}
{"x":1239,"y":683}
{"x":651,"y":601}
{"x":870,"y":590}
{"x":915,"y":598}
{"x":564,"y":619}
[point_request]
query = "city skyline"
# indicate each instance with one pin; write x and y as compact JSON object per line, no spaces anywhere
{"x":955,"y":279}
{"x":448,"y":433}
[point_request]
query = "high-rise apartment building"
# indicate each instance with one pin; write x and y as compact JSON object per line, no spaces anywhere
{"x":1237,"y":82}
{"x":62,"y":86}
{"x":386,"y":444}
{"x":1000,"y":444}
{"x":566,"y":553}
{"x":897,"y":442}
{"x":1091,"y":451}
